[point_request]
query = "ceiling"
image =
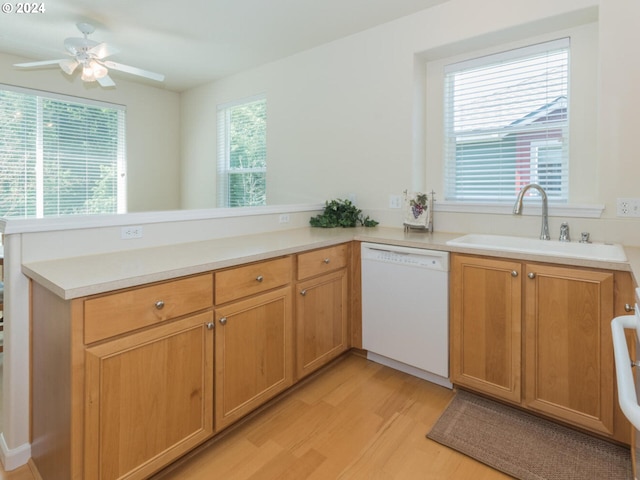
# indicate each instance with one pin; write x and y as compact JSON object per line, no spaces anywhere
{"x":197,"y":41}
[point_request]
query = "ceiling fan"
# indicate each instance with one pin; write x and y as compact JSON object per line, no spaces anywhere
{"x":90,"y":55}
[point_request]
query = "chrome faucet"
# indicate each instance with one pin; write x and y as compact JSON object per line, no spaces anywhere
{"x":517,"y":208}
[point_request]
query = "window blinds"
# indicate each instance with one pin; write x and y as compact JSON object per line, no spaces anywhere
{"x":59,"y":156}
{"x":242,"y":153}
{"x":507,"y":124}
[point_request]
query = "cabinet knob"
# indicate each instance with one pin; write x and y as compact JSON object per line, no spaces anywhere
{"x":514,"y":273}
{"x":326,"y":260}
{"x":159,"y":304}
{"x":531,"y":275}
{"x":223,"y":321}
{"x":628,"y":308}
{"x":259,"y":278}
{"x":210,"y":325}
{"x":303,"y":292}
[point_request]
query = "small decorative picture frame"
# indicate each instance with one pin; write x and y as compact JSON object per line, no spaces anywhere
{"x":416,"y":210}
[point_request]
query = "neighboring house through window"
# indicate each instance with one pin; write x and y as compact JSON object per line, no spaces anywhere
{"x":60,"y":155}
{"x":242,"y":153}
{"x":507,"y":124}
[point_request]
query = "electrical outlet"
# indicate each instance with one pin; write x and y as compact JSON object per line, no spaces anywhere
{"x":395,"y":201}
{"x":284,"y":218}
{"x":129,"y":232}
{"x":622,"y":208}
{"x":628,"y":207}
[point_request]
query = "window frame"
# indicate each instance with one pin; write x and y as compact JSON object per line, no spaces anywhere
{"x":428,"y":167}
{"x":39,"y":152}
{"x":224,"y":169}
{"x":490,"y":132}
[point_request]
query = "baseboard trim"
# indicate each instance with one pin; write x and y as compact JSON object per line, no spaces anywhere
{"x":14,"y":457}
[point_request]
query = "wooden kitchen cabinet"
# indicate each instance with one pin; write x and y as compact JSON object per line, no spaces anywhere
{"x":486,"y":325}
{"x":122,"y":381}
{"x":560,"y":315}
{"x":569,"y":367}
{"x":322,"y":320}
{"x":149,"y":398}
{"x":254,"y":338}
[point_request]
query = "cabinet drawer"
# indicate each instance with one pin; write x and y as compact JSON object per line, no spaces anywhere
{"x":129,"y":310}
{"x":251,"y":279}
{"x":322,"y":260}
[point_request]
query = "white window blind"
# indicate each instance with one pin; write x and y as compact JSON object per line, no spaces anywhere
{"x":59,"y":155}
{"x":507,"y":124}
{"x":242,"y":153}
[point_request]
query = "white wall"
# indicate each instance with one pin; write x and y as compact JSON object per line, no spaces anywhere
{"x":344,"y":117}
{"x":153,"y":128}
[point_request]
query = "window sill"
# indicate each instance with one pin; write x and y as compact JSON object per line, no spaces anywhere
{"x":568,"y":210}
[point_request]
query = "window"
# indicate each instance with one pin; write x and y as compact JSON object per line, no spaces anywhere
{"x":60,"y":155}
{"x":507,"y":124}
{"x":242,"y":153}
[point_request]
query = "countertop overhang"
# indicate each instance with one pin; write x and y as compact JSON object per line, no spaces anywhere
{"x":76,"y":277}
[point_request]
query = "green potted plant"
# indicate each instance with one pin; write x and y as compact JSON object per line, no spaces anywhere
{"x":341,"y":213}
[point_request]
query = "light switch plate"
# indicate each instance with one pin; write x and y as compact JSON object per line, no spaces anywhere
{"x":395,"y":201}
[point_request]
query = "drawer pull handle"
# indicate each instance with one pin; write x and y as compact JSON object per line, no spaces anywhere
{"x":303,"y":292}
{"x":326,"y":260}
{"x":531,"y":275}
{"x":223,"y":321}
{"x":159,"y":305}
{"x":210,"y":325}
{"x":514,"y":273}
{"x":259,"y":278}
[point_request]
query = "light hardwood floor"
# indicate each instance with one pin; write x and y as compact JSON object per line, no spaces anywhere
{"x":356,"y":420}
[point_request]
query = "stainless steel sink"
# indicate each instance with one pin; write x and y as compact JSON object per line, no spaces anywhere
{"x":608,"y":252}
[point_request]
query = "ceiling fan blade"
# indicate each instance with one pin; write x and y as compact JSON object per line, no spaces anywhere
{"x":106,"y":81}
{"x":103,"y":50}
{"x":134,"y":71}
{"x":39,"y":64}
{"x":68,"y":66}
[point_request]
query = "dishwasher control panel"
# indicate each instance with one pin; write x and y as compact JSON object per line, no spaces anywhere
{"x":413,"y":257}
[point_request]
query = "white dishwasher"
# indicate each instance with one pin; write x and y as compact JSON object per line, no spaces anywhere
{"x":405,"y":309}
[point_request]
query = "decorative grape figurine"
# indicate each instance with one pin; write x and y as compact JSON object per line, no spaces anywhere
{"x":418,"y":204}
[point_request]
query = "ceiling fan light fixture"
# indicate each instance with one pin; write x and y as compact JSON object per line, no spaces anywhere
{"x":90,"y":56}
{"x":99,"y":71}
{"x":88,"y":75}
{"x":92,"y":71}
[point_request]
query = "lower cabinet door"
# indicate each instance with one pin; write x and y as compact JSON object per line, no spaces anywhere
{"x":149,"y":398}
{"x":486,"y":304}
{"x":254,"y":353}
{"x":569,"y":351}
{"x":322,"y":321}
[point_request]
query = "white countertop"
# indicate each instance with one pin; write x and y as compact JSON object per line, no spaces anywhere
{"x":87,"y":275}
